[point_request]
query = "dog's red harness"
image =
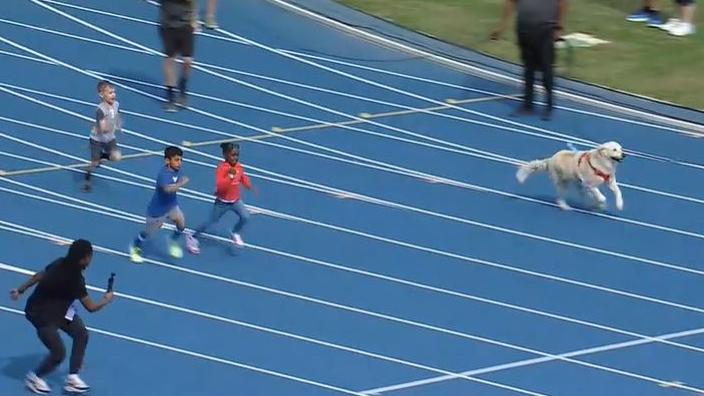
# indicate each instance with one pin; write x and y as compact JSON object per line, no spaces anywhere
{"x":597,"y":172}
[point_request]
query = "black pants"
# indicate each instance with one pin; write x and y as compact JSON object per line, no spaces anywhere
{"x":49,"y":335}
{"x":537,"y":46}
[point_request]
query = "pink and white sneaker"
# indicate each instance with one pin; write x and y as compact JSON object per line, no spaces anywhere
{"x":192,"y":244}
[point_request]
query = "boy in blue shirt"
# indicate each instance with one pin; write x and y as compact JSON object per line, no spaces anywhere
{"x":164,"y":206}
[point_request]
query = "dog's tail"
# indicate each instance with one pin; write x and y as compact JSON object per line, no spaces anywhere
{"x":531,"y":167}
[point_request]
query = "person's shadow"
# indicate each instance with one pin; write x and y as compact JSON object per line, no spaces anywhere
{"x":16,"y":368}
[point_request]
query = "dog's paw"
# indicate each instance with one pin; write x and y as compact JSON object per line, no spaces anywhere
{"x":563,"y":205}
{"x":619,"y":205}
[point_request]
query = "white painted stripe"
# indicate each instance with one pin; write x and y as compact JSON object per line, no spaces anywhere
{"x":298,"y":182}
{"x":530,"y":362}
{"x":407,"y":76}
{"x":109,"y":212}
{"x":52,"y":237}
{"x":211,"y":358}
{"x":347,"y":269}
{"x":485,"y":72}
{"x":297,"y":337}
{"x":333,"y":111}
{"x":470,"y":151}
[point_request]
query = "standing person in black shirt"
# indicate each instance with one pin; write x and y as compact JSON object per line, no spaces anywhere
{"x":177,"y":24}
{"x":538,"y":24}
{"x":50,"y":308}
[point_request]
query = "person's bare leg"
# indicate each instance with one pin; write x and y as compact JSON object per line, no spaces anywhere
{"x":169,"y":81}
{"x":210,"y":21}
{"x":688,"y":13}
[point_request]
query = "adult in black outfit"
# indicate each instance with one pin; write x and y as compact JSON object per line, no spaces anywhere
{"x":50,"y":308}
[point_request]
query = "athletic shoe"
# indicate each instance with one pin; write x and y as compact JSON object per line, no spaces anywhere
{"x":74,"y":384}
{"x":36,"y":384}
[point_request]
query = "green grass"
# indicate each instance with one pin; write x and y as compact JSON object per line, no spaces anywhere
{"x":641,"y":60}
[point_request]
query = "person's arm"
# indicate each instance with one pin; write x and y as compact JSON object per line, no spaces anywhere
{"x":172,"y":188}
{"x":92,"y":306}
{"x":506,"y":13}
{"x":245,"y":180}
{"x":101,"y":121}
{"x":81,"y":293}
{"x":165,"y":183}
{"x":16,"y":293}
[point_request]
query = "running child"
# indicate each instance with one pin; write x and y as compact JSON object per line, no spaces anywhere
{"x":229,"y":175}
{"x":108,"y":121}
{"x":164,"y":206}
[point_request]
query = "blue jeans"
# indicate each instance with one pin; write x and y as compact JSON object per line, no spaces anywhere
{"x":219,"y":209}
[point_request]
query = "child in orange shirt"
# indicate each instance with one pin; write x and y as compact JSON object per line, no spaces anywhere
{"x":229,"y":175}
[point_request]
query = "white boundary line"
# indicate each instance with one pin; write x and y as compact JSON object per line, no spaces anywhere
{"x":435,"y":82}
{"x":352,"y":195}
{"x":545,"y":134}
{"x":107,"y":211}
{"x":268,"y":330}
{"x":203,"y":356}
{"x":387,"y":167}
{"x":493,"y":75}
{"x":206,"y":198}
{"x":528,"y":362}
{"x":665,"y":338}
{"x":94,"y":27}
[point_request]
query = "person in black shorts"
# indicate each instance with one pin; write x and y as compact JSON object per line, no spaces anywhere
{"x":538,"y":24}
{"x":50,"y":308}
{"x":177,"y":25}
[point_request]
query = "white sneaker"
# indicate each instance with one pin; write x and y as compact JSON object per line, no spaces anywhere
{"x":682,"y":29}
{"x":237,"y":240}
{"x":669,"y":24}
{"x":192,"y":244}
{"x":36,"y":384}
{"x":74,"y":384}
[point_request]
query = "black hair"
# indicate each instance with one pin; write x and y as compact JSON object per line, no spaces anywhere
{"x":229,"y":146}
{"x":79,"y":250}
{"x":172,"y":151}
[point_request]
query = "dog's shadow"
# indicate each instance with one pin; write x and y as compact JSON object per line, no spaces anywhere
{"x":575,"y":200}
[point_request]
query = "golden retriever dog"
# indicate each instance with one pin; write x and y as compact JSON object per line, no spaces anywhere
{"x":588,"y":169}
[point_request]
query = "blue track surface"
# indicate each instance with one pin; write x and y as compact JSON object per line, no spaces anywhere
{"x":395,"y":256}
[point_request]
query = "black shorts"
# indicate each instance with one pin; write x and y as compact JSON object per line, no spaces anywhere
{"x":684,"y":2}
{"x":177,"y":41}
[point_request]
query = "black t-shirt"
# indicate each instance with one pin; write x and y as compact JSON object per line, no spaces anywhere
{"x":61,"y":285}
{"x":536,"y":13}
